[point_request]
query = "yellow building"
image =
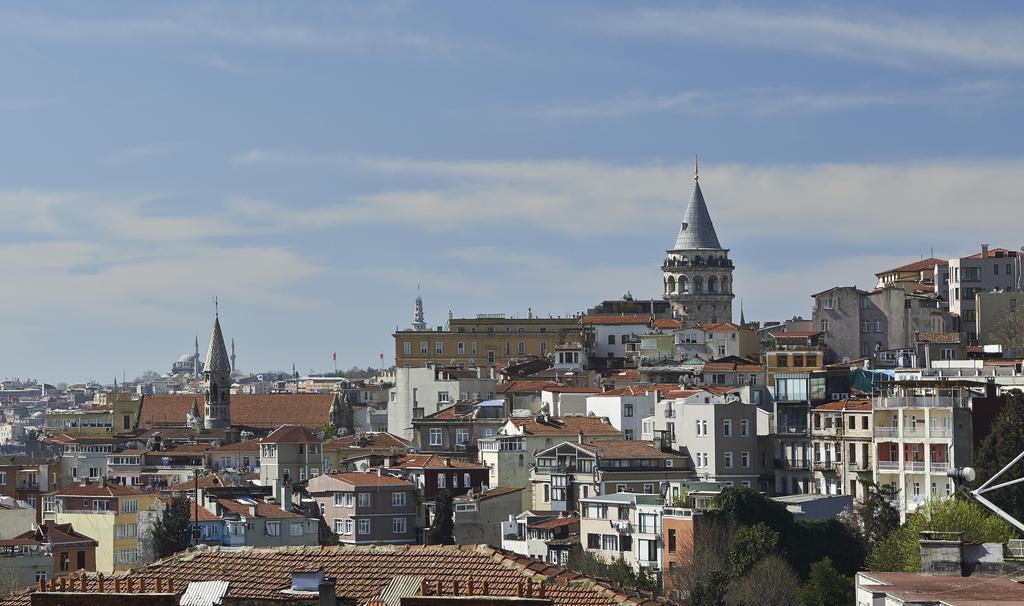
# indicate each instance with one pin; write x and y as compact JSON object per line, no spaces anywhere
{"x":113,"y":416}
{"x":487,"y":340}
{"x":114,"y":516}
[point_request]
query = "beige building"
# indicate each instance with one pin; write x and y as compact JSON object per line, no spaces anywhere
{"x":478,"y":516}
{"x":841,"y":444}
{"x":1000,"y":318}
{"x":624,"y":525}
{"x":489,"y":340}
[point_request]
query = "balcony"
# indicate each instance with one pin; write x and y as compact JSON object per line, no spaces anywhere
{"x":791,"y":429}
{"x":940,"y":432}
{"x":556,"y":469}
{"x":621,"y":526}
{"x":933,"y":401}
{"x":917,"y":466}
{"x":939,"y":466}
{"x":887,"y":432}
{"x":678,"y":512}
{"x":791,"y":464}
{"x":888,"y":466}
{"x":825,"y":466}
{"x":913,"y":432}
{"x":28,"y":485}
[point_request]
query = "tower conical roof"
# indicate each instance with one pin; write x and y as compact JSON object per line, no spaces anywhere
{"x":697,"y":230}
{"x":217,"y":359}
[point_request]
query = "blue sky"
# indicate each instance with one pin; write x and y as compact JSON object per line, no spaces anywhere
{"x":311,"y":163}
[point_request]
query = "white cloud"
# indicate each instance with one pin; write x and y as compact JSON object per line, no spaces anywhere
{"x":782,"y":100}
{"x":878,"y":38}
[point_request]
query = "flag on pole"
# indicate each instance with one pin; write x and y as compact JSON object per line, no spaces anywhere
{"x":334,"y":356}
{"x":382,"y":356}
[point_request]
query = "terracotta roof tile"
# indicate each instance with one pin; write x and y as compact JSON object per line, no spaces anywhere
{"x":915,"y":266}
{"x":567,"y":426}
{"x":367,"y":441}
{"x":557,"y":522}
{"x":291,"y":434}
{"x":616,"y":320}
{"x":719,"y":326}
{"x":858,"y":404}
{"x":571,"y":389}
{"x":362,"y":572}
{"x":263,"y":509}
{"x":356,"y":478}
{"x":667,"y":323}
{"x":524,"y":386}
{"x":430,"y":461}
{"x":95,"y":489}
{"x":268,"y":411}
{"x":951,"y":338}
{"x":497,"y":491}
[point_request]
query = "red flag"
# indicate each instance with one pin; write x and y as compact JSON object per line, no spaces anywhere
{"x":382,"y":355}
{"x":334,"y":356}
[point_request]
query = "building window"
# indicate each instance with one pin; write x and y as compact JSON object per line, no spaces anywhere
{"x":398,"y":526}
{"x":398,"y":499}
{"x":364,"y":526}
{"x":439,"y":348}
{"x":441,"y":480}
{"x":339,"y":526}
{"x":721,"y":351}
{"x":727,"y":428}
{"x":827,"y":303}
{"x":878,"y":326}
{"x":273,"y":529}
{"x":348,"y":526}
{"x":129,"y":506}
{"x":593,"y":541}
{"x":363,"y":500}
{"x":466,"y":482}
{"x":744,"y":428}
{"x":824,"y":326}
{"x":407,"y":348}
{"x":745,"y":459}
{"x":627,"y":410}
{"x":461,"y":435}
{"x":490,"y":356}
{"x":436,"y":436}
{"x":294,"y":529}
{"x":628,"y":434}
{"x":443,"y":397}
{"x":547,"y":493}
{"x":423,"y":348}
{"x":609,"y":542}
{"x":865,"y":326}
{"x":728,"y":460}
{"x":611,"y":339}
{"x":621,"y":488}
{"x":461,"y":347}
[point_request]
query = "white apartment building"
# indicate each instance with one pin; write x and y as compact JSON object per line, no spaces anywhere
{"x":625,"y":525}
{"x":625,"y":408}
{"x":424,"y":390}
{"x":921,"y":430}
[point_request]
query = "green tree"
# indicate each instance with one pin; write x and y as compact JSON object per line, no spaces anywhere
{"x":1001,"y":446}
{"x":771,"y":582}
{"x":825,"y":586}
{"x":710,"y":591}
{"x":172,"y":532}
{"x":899,"y":552}
{"x":442,"y":531}
{"x":878,"y":516}
{"x":328,"y":430}
{"x":748,"y":546}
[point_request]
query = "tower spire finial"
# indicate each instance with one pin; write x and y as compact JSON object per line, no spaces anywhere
{"x":216,"y":307}
{"x":696,"y":169}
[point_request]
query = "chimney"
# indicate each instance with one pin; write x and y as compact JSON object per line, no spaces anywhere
{"x":984,"y":251}
{"x":579,"y":437}
{"x":447,"y":461}
{"x":286,"y":497}
{"x":252,"y":510}
{"x":84,"y":482}
{"x":941,"y":553}
{"x":103,"y":481}
{"x":328,"y":595}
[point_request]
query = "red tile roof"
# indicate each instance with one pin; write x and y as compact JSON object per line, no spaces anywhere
{"x":557,"y":522}
{"x":95,"y":489}
{"x":263,"y":509}
{"x":719,"y":326}
{"x":430,"y":461}
{"x":524,"y":386}
{"x":565,"y":426}
{"x":951,"y":338}
{"x":363,"y":572}
{"x":624,"y":449}
{"x":497,"y":491}
{"x":616,"y":320}
{"x":667,"y":323}
{"x":992,"y":253}
{"x":290,"y":434}
{"x":915,"y":266}
{"x":268,"y":411}
{"x":860,"y":405}
{"x":357,"y":478}
{"x":242,"y":446}
{"x":570,"y":389}
{"x":379,"y":441}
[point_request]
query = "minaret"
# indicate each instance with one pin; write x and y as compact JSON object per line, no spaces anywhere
{"x":743,"y":319}
{"x":418,"y":323}
{"x":195,"y":361}
{"x":233,"y":365}
{"x":697,"y":273}
{"x":217,"y":381}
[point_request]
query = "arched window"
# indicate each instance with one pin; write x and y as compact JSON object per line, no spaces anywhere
{"x":671,"y":286}
{"x":698,"y":284}
{"x":698,"y":260}
{"x":684,"y":284}
{"x":725,"y":285}
{"x":713,"y":284}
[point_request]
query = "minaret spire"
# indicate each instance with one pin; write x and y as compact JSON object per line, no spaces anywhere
{"x":696,"y":170}
{"x":743,"y":320}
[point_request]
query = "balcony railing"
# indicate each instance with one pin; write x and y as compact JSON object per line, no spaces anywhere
{"x":824,"y":465}
{"x":792,"y":464}
{"x":887,"y":432}
{"x":935,"y":401}
{"x":913,"y":432}
{"x":940,"y":432}
{"x":792,"y":429}
{"x":28,"y":485}
{"x":679,"y":512}
{"x":913,"y":465}
{"x":942,"y":466}
{"x":888,"y":465}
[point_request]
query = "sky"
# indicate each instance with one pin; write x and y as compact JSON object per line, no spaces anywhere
{"x":313,"y":164}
